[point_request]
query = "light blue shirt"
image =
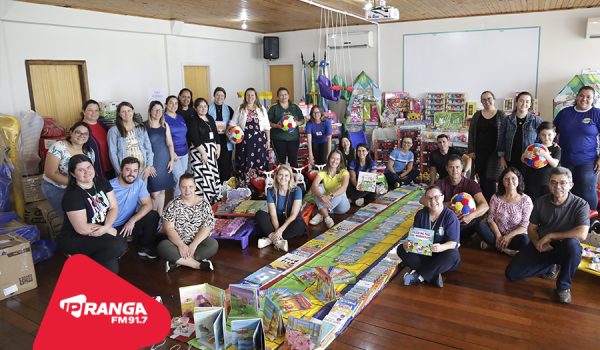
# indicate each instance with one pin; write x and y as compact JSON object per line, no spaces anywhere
{"x":128,"y":198}
{"x":401,"y":160}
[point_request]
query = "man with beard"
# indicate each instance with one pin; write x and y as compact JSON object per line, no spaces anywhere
{"x":142,"y":224}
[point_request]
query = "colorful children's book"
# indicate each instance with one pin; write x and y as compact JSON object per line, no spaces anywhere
{"x":419,"y":241}
{"x":209,"y":323}
{"x":324,"y":289}
{"x":272,"y":319}
{"x":244,"y":299}
{"x":366,"y":181}
{"x":263,"y":275}
{"x":296,"y":302}
{"x":308,"y":334}
{"x":200,"y":295}
{"x":287,"y":262}
{"x":248,"y":334}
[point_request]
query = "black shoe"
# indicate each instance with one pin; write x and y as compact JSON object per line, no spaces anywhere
{"x":552,"y":274}
{"x":147,"y":253}
{"x":206,"y":265}
{"x":438,"y":281}
{"x":170,"y":265}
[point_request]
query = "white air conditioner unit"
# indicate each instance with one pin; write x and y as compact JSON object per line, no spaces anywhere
{"x":593,"y":28}
{"x":354,"y":39}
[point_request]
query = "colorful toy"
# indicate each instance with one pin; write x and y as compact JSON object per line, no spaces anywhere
{"x":236,"y":134}
{"x":288,"y":123}
{"x":536,"y":161}
{"x":462,"y":203}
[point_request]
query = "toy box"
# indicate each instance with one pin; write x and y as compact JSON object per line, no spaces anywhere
{"x":17,"y":273}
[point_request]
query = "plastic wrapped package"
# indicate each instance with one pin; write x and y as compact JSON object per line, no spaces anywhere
{"x":9,"y":137}
{"x":29,"y":232}
{"x":29,"y":142}
{"x":5,"y":181}
{"x":42,"y":250}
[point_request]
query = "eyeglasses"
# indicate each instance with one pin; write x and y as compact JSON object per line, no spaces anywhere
{"x":81,"y":134}
{"x":559,"y":183}
{"x":406,"y":143}
{"x":434,"y":198}
{"x":487,"y":99}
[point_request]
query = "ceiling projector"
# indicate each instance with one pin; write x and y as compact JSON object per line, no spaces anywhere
{"x":383,"y":13}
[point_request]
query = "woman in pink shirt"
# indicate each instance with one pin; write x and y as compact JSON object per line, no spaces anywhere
{"x":508,"y":217}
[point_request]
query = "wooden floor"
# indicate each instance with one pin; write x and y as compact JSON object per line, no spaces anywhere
{"x":477,"y":308}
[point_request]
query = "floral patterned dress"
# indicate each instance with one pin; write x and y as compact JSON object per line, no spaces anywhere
{"x":251,"y":153}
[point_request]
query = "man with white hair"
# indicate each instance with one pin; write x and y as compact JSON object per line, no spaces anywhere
{"x":559,"y":221}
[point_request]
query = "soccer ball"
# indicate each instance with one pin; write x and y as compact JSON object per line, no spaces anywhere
{"x":236,"y":134}
{"x":288,"y":123}
{"x":462,"y":203}
{"x":536,"y":161}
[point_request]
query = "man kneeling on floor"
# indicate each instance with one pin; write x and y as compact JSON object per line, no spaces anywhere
{"x":558,"y":222}
{"x":130,"y":190}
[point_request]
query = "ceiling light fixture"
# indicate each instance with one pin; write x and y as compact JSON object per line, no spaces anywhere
{"x":244,"y":25}
{"x":244,"y":15}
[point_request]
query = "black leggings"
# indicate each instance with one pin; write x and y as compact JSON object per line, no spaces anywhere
{"x":354,"y":194}
{"x":265,"y":227}
{"x":105,"y":250}
{"x":319,"y":151}
{"x":287,"y":151}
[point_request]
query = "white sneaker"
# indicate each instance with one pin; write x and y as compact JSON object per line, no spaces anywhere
{"x":282,"y":244}
{"x":329,"y":222}
{"x":359,"y":202}
{"x":264,"y":242}
{"x":317,"y":219}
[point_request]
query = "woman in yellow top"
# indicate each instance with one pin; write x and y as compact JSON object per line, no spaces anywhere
{"x":329,"y":189}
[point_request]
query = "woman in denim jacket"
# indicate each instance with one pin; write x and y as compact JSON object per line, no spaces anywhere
{"x":517,"y":132}
{"x":128,"y":138}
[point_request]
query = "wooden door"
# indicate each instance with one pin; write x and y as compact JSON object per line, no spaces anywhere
{"x":195,"y":78}
{"x":282,"y":76}
{"x":57,"y":89}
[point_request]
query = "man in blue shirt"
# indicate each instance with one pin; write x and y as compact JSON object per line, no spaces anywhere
{"x":130,"y":189}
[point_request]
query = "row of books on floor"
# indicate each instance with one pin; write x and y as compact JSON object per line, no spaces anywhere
{"x":242,"y":317}
{"x":212,"y":321}
{"x":295,"y":258}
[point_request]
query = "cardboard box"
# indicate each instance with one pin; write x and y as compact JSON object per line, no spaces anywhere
{"x":44,"y":217}
{"x":17,"y":273}
{"x":32,"y":188}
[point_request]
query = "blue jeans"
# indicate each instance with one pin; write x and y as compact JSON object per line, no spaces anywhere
{"x":485,"y":232}
{"x":584,"y":180}
{"x":339,"y":203}
{"x":54,"y":195}
{"x":530,"y":262}
{"x":180,"y":167}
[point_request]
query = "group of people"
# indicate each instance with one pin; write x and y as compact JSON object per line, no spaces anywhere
{"x":525,"y":212}
{"x":530,"y":214}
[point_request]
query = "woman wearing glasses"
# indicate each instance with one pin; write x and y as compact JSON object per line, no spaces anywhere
{"x":446,"y":229}
{"x":56,"y":166}
{"x":400,"y":170}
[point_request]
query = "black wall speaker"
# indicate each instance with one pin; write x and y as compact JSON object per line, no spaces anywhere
{"x":271,"y":47}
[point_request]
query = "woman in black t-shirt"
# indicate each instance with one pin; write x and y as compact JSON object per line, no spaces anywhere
{"x":90,"y":210}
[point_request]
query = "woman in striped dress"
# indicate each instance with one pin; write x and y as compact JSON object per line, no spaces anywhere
{"x":204,"y":152}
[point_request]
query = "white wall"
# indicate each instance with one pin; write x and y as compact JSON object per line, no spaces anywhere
{"x":125,"y":55}
{"x":291,"y":44}
{"x":564,"y":51}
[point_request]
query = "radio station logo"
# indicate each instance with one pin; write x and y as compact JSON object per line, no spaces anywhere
{"x":121,"y":313}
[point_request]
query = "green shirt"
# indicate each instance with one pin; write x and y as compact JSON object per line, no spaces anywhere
{"x":276,"y":114}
